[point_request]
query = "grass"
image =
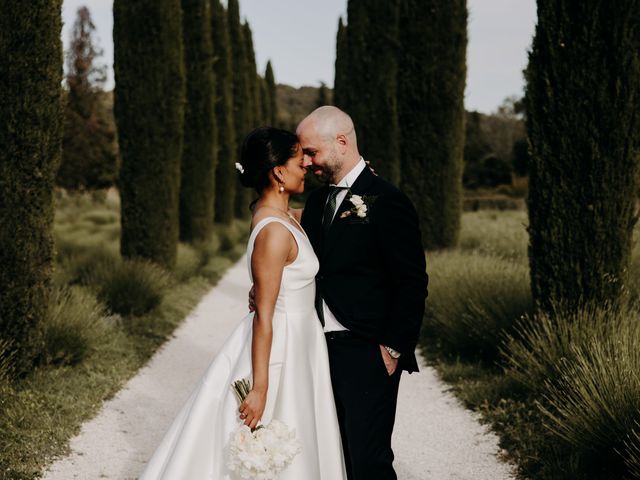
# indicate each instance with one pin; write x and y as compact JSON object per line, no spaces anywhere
{"x":474,"y":300}
{"x":494,"y":233}
{"x":73,"y":327}
{"x":107,"y":318}
{"x":562,"y":392}
{"x":134,"y":287}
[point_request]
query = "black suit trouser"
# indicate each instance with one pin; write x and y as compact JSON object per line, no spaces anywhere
{"x":366,"y":398}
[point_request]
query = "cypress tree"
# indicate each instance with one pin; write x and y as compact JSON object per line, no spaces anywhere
{"x":265,"y":104}
{"x":30,"y":135}
{"x":198,"y":166}
{"x":271,"y":91}
{"x":227,"y":155}
{"x":431,"y":81}
{"x":373,"y":38}
{"x":583,"y":123}
{"x":241,"y":96}
{"x":355,"y":49}
{"x":149,"y":108}
{"x":255,"y":112}
{"x":341,"y":75}
{"x":323,"y":96}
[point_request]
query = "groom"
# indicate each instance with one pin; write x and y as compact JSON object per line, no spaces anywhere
{"x":371,"y":287}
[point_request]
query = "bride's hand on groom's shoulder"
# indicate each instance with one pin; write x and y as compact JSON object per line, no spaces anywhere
{"x":252,"y":408}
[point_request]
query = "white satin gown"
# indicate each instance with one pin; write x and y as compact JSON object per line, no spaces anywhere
{"x":299,"y":394}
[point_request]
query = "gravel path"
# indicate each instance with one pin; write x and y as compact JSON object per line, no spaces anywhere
{"x":435,"y":437}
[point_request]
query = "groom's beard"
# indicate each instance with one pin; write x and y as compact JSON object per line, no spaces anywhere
{"x":331,"y":170}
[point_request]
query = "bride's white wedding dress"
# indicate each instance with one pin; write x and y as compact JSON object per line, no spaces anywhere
{"x":299,"y":394}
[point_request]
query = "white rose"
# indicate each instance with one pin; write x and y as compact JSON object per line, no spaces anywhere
{"x":357,"y":200}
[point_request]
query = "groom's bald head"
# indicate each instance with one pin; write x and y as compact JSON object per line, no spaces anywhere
{"x":330,"y":122}
{"x":329,"y":142}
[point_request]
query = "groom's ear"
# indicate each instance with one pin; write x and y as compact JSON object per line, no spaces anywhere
{"x":343,"y":143}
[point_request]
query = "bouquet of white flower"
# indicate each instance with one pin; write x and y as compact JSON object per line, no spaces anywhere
{"x":264,"y":452}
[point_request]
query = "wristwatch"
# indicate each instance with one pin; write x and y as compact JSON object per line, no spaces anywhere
{"x":394,"y":354}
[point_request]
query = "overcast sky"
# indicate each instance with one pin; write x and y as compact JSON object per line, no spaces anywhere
{"x":298,"y":36}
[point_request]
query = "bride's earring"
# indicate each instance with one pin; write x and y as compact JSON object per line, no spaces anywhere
{"x":281,"y":189}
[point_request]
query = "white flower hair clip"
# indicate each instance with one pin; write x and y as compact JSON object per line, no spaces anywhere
{"x":239,"y":167}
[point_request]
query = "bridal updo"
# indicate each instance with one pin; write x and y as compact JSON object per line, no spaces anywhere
{"x":262,"y":150}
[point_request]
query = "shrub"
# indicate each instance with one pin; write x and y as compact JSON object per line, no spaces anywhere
{"x":134,"y":287}
{"x":100,"y":217}
{"x":595,"y":403}
{"x":491,"y":232}
{"x":188,"y":262}
{"x":474,"y":301}
{"x":632,"y":446}
{"x":210,"y":248}
{"x":229,"y":235}
{"x":592,"y":385}
{"x":215,"y":268}
{"x":90,"y":267}
{"x":74,"y":324}
{"x":540,"y":345}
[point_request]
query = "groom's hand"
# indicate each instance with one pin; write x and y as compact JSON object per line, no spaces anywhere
{"x":252,"y":299}
{"x":389,"y":362}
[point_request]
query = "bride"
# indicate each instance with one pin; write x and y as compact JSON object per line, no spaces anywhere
{"x":280,"y":348}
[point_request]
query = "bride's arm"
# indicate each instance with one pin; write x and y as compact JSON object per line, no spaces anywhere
{"x":271,"y":251}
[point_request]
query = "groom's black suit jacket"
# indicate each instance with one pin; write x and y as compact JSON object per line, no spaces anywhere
{"x":372,"y":270}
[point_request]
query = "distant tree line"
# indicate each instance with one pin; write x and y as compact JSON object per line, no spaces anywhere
{"x":495,"y":147}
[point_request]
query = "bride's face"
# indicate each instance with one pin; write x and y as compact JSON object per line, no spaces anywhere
{"x":296,"y":170}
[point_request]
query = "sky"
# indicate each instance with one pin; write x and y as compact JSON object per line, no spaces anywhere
{"x":298,"y":36}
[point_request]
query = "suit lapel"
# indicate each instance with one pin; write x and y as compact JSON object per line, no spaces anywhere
{"x":339,"y":225}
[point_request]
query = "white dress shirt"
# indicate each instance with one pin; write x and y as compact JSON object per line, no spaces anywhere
{"x":331,"y":323}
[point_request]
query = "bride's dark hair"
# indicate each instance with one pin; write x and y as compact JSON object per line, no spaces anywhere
{"x":263,"y":149}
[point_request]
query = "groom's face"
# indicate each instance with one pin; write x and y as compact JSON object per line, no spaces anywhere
{"x":321,"y":154}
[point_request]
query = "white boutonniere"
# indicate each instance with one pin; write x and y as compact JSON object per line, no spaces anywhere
{"x":361,"y":205}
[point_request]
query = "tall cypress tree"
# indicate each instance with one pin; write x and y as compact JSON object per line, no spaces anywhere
{"x":241,"y":95}
{"x":227,"y":155}
{"x":583,"y":122}
{"x":355,"y":49}
{"x":373,"y":37}
{"x":341,"y":75}
{"x":431,"y":81}
{"x":30,"y":135}
{"x":271,"y":91}
{"x":265,"y":104}
{"x":198,"y":166}
{"x":255,"y":112}
{"x":323,"y":95}
{"x":149,"y":108}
